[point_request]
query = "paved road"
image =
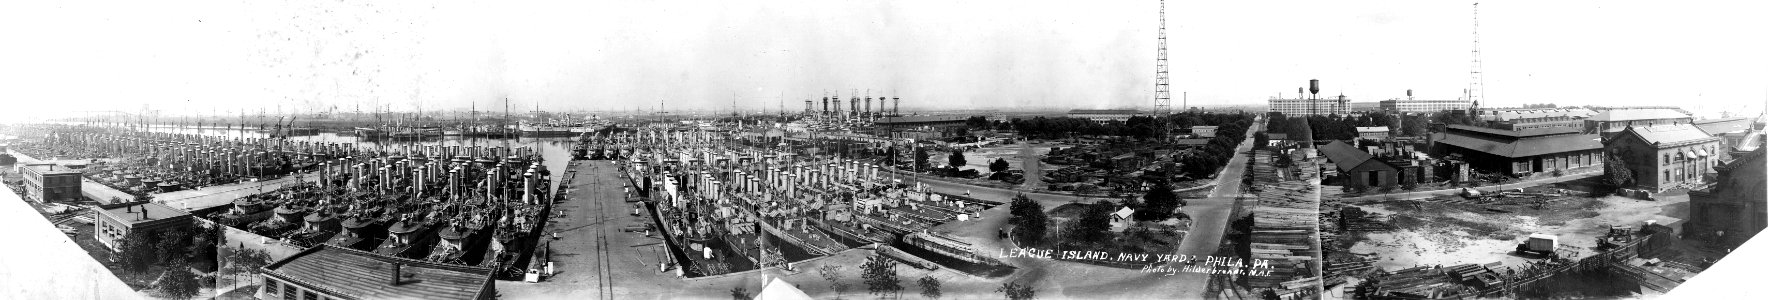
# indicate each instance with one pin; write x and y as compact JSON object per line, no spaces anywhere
{"x":593,"y":258}
{"x":212,"y":196}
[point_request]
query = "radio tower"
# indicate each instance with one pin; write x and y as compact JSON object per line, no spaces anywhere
{"x":1475,"y":81}
{"x":1163,"y":99}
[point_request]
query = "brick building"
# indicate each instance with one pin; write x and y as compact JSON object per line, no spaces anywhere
{"x":1662,"y":157}
{"x":1735,"y":208}
{"x":115,"y":222}
{"x":50,"y":182}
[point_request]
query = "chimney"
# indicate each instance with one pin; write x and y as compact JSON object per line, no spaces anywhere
{"x":394,"y":279}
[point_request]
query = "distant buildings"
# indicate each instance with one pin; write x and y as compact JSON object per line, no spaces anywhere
{"x":1662,"y":157}
{"x":1102,"y":115}
{"x":114,"y":222}
{"x":1731,"y":132}
{"x":1204,"y":131}
{"x":1423,"y":106}
{"x":1522,"y":119}
{"x":327,"y":272}
{"x":48,"y":182}
{"x":1365,"y":106}
{"x":916,"y":121}
{"x":1520,"y":151}
{"x":1372,"y":133}
{"x":1613,"y":121}
{"x":1735,"y":208}
{"x":1305,"y":107}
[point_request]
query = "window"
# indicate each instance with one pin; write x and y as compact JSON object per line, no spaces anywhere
{"x":1666,"y":176}
{"x":1666,"y":159}
{"x":288,"y":293}
{"x":270,"y":287}
{"x":309,"y":295}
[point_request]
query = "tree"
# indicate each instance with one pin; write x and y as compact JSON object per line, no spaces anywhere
{"x":1016,"y":291}
{"x":921,"y":158}
{"x":999,"y":165}
{"x":1269,"y":295}
{"x":879,"y":273}
{"x":930,"y":287}
{"x":832,"y":273}
{"x":1260,"y":139}
{"x":1028,"y":220}
{"x":136,"y":253}
{"x":1092,"y":228}
{"x":1616,"y":171}
{"x":1158,"y":204}
{"x":956,"y":160}
{"x":178,"y":282}
{"x":171,"y":246}
{"x":740,"y":293}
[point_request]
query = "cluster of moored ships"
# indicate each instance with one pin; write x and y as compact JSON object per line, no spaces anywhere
{"x":726,"y":208}
{"x":474,"y":206}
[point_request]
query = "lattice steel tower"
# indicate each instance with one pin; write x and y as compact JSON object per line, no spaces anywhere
{"x":1163,"y":99}
{"x":1476,"y":80}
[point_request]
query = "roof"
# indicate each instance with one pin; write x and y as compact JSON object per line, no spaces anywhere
{"x":1637,"y":114}
{"x":1372,"y":129}
{"x":51,"y":169}
{"x":1104,"y":112}
{"x":1124,"y":212}
{"x":1532,"y":132}
{"x":131,"y":213}
{"x":922,"y":119}
{"x":1718,"y":126}
{"x":777,"y":289}
{"x":365,"y":275}
{"x":1191,"y":142}
{"x":1525,"y":147}
{"x":1277,"y":136}
{"x":1203,"y":127}
{"x":1343,"y":155}
{"x":1668,"y":134}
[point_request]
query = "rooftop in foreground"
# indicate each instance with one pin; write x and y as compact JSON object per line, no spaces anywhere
{"x":363,"y":275}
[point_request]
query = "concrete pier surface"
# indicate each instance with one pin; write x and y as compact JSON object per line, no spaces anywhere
{"x":212,"y":196}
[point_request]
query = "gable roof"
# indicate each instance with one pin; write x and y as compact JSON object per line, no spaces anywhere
{"x":1524,"y":147}
{"x":1532,"y":132}
{"x":1637,"y":114}
{"x":365,"y":275}
{"x":1718,"y":126}
{"x":1343,"y":155}
{"x":1372,"y":129}
{"x":1668,"y":134}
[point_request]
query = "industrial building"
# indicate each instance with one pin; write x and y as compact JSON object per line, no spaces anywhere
{"x":1520,"y":151}
{"x":1306,"y":107}
{"x":1372,"y":133}
{"x":1735,"y":208}
{"x":1204,"y":131}
{"x":115,"y":222}
{"x":1521,"y":119}
{"x":1360,"y":169}
{"x":45,"y":183}
{"x":1613,"y":121}
{"x":1666,"y":156}
{"x":1102,"y":115}
{"x":328,"y":272}
{"x":917,"y":121}
{"x":1424,"y":106}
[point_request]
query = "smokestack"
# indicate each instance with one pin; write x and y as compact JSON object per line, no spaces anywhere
{"x":394,"y":279}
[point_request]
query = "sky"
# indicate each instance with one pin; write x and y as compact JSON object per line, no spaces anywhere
{"x":221,"y":57}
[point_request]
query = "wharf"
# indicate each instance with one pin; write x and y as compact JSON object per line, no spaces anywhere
{"x":212,"y":196}
{"x":593,"y":258}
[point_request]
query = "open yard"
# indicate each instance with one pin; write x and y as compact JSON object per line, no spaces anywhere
{"x":1445,"y":231}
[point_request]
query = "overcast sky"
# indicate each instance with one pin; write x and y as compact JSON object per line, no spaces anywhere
{"x":217,"y":56}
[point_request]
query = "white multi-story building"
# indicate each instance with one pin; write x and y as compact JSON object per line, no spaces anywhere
{"x":1424,"y":106}
{"x":1303,"y":107}
{"x":1102,"y":115}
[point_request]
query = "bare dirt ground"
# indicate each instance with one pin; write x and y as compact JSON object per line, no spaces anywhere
{"x":1432,"y":232}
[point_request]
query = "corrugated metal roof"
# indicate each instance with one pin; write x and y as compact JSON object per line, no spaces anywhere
{"x":1532,"y":132}
{"x":366,"y":275}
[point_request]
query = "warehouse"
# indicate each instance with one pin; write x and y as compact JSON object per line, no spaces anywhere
{"x":1522,"y":151}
